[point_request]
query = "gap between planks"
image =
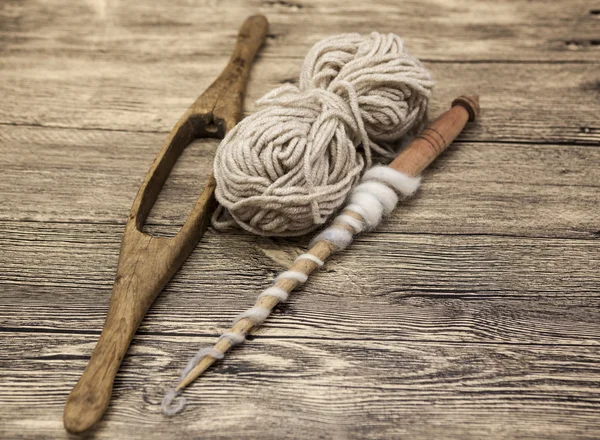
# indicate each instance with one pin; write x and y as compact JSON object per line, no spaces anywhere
{"x":176,"y":226}
{"x":201,"y":338}
{"x":461,"y":140}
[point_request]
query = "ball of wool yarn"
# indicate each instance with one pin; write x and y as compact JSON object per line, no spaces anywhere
{"x":284,"y":170}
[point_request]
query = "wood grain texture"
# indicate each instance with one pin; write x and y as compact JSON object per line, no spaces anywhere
{"x":441,"y":30}
{"x":92,"y":176}
{"x":315,"y":388}
{"x":475,"y":309}
{"x":419,"y":287}
{"x":540,"y":103}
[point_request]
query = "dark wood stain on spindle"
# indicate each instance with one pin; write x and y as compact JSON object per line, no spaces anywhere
{"x":472,"y":313}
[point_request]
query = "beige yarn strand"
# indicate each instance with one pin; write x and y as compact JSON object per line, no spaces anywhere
{"x":286,"y":169}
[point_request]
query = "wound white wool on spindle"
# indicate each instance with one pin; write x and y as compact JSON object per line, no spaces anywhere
{"x":374,"y":197}
{"x":292,"y":275}
{"x":384,"y":194}
{"x":234,"y":338}
{"x":310,"y":257}
{"x":275,"y":292}
{"x":256,"y":314}
{"x":338,"y":237}
{"x":206,"y":351}
{"x":354,"y":223}
{"x":400,"y":182}
{"x":284,"y":170}
{"x":369,"y":205}
{"x":171,"y":403}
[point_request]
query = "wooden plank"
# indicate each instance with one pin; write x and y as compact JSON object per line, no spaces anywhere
{"x":67,"y":259}
{"x":314,"y":314}
{"x":313,"y":388}
{"x":390,"y":285}
{"x":520,"y":102}
{"x":472,"y":313}
{"x":474,"y":188}
{"x":442,"y":30}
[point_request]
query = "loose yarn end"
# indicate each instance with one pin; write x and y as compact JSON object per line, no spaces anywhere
{"x":173,"y":403}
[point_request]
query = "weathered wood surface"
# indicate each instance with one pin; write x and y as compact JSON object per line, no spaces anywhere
{"x":421,"y":275}
{"x":455,"y":30}
{"x":287,"y":387}
{"x":540,"y":103}
{"x":501,"y":188}
{"x":473,"y":313}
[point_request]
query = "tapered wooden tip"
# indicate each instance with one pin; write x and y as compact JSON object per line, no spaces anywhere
{"x":259,"y":20}
{"x":82,"y":412}
{"x":470,"y":104}
{"x":255,"y":29}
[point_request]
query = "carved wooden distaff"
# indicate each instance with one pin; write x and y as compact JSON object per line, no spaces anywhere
{"x":147,"y":263}
{"x":411,"y":161}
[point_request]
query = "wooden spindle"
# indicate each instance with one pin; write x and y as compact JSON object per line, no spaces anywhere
{"x":412,"y":160}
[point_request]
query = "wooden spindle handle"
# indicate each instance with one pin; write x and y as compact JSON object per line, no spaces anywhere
{"x":432,"y":141}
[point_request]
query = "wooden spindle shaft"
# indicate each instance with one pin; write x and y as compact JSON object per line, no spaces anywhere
{"x":412,"y":160}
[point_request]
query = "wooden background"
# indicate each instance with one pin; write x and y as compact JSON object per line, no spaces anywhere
{"x":473,"y":313}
